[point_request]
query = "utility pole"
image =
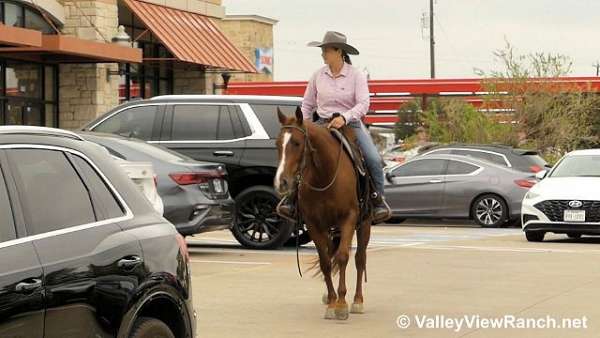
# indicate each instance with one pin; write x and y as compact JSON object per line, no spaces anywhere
{"x":597,"y":66}
{"x":431,"y":40}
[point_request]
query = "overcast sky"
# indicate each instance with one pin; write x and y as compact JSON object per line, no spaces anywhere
{"x":389,"y":36}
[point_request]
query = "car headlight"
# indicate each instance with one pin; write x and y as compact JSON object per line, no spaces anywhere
{"x":531,"y":195}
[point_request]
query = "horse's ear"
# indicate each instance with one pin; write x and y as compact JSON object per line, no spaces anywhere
{"x":281,"y":116}
{"x":299,"y":116}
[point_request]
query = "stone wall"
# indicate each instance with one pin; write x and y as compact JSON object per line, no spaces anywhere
{"x":88,"y":90}
{"x":248,"y":35}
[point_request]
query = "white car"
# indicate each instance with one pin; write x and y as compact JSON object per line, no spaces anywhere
{"x":144,"y":177}
{"x":567,"y":200}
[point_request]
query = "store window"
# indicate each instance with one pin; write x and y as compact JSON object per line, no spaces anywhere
{"x":28,"y":94}
{"x":21,"y":15}
{"x":155,"y":75}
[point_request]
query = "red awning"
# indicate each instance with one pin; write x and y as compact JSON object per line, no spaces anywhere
{"x":69,"y":49}
{"x":16,"y":36}
{"x":190,"y":37}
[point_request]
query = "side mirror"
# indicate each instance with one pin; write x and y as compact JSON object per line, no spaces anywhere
{"x":389,"y":176}
{"x":540,"y":175}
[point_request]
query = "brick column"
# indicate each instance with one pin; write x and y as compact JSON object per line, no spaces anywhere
{"x":85,"y":90}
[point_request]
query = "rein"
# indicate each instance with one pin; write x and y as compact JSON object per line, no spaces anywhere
{"x":300,"y":180}
{"x":302,"y":167}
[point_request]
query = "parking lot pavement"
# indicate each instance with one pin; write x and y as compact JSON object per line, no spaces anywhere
{"x":452,"y":271}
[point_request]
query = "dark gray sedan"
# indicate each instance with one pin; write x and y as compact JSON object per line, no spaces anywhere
{"x":195,"y":194}
{"x":454,"y":186}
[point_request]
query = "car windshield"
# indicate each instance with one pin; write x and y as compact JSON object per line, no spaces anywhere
{"x":578,"y":166}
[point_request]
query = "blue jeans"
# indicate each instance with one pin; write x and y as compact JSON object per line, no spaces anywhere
{"x":370,"y":153}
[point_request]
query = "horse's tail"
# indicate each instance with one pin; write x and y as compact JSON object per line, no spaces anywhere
{"x":333,"y":244}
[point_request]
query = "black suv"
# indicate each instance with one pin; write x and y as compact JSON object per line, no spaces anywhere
{"x":84,"y":254}
{"x":239,"y":131}
{"x":519,"y":159}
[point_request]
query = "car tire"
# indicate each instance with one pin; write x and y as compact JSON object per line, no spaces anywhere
{"x":304,"y":237}
{"x":145,"y":327}
{"x":489,"y":211}
{"x":535,"y":236}
{"x":257,"y":225}
{"x":574,"y":235}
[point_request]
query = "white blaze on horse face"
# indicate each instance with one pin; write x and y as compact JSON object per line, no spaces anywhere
{"x":286,"y":138}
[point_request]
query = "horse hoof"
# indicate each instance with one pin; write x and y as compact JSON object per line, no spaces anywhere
{"x":357,"y":308}
{"x":330,"y":313}
{"x":341,"y":313}
{"x":325,"y":299}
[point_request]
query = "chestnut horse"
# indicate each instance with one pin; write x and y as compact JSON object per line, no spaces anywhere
{"x":312,"y":162}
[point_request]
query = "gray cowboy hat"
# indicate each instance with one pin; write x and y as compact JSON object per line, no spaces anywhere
{"x":335,"y":39}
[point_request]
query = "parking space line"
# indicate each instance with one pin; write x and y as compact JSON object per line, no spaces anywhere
{"x":502,"y":249}
{"x":230,"y":262}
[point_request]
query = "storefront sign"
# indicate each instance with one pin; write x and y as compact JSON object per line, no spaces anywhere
{"x":264,"y":60}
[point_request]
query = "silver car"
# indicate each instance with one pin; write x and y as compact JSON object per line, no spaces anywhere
{"x":455,"y":186}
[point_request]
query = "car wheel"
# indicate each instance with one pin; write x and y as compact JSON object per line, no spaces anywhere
{"x":574,"y":235}
{"x":145,"y":327}
{"x":257,"y":225}
{"x":535,"y":236}
{"x":489,"y":211}
{"x":304,"y":237}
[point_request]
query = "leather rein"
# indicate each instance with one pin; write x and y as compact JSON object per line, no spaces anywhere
{"x":308,"y":145}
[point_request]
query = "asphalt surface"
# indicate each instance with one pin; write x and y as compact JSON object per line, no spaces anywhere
{"x":439,"y":275}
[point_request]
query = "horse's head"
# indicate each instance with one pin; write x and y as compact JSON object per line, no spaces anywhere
{"x":290,"y":146}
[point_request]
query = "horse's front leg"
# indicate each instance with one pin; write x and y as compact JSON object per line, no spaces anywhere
{"x":341,"y":259}
{"x":322,"y":244}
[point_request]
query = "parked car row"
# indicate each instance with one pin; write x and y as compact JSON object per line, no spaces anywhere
{"x":84,"y":253}
{"x":240,"y":131}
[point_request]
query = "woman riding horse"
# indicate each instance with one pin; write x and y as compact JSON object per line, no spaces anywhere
{"x":340,"y":94}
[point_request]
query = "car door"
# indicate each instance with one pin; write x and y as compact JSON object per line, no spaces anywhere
{"x":461,"y":184}
{"x":206,"y":132}
{"x":415,"y":188}
{"x":21,"y":275}
{"x":91,"y":268}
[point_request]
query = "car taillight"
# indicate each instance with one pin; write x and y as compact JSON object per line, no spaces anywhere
{"x":535,"y":168}
{"x":183,"y":248}
{"x":195,"y":177}
{"x":525,"y":183}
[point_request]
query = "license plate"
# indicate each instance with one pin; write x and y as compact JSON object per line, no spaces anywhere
{"x":218,"y":186}
{"x":574,"y":216}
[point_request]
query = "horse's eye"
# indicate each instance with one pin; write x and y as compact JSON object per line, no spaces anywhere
{"x":295,"y":143}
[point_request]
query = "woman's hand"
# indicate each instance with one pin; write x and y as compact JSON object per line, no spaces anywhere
{"x":337,"y":123}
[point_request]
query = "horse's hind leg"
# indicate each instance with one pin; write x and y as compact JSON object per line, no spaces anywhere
{"x":362,"y":236}
{"x":322,"y":244}
{"x":341,"y":259}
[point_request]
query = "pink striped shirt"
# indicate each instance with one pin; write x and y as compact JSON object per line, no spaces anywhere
{"x":348,"y":94}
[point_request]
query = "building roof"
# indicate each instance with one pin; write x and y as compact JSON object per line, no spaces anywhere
{"x":191,"y":37}
{"x":250,"y":17}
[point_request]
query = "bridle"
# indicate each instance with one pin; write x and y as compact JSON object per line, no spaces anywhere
{"x":308,"y":145}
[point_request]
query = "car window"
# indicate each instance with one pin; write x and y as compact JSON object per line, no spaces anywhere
{"x":577,"y":166}
{"x":112,"y":208}
{"x":196,"y":122}
{"x":135,"y":122}
{"x":421,"y":168}
{"x":229,"y":125}
{"x":460,"y":168}
{"x":494,"y":158}
{"x":267,"y":114}
{"x":7,"y":222}
{"x":237,"y":121}
{"x":51,"y":192}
